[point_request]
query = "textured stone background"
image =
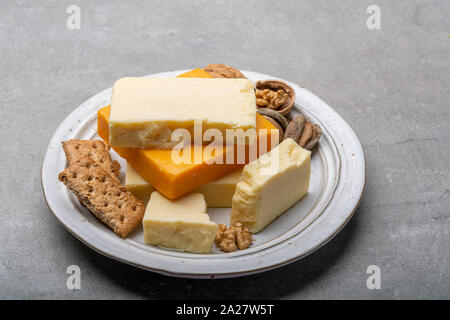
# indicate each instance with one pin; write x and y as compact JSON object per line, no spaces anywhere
{"x":391,"y":85}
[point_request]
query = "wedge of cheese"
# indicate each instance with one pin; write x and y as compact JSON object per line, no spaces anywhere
{"x":136,"y":185}
{"x":181,"y":224}
{"x":270,"y":185}
{"x":145,"y":111}
{"x":218,"y":194}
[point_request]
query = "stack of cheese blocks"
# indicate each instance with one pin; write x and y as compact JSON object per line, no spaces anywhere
{"x":138,"y":126}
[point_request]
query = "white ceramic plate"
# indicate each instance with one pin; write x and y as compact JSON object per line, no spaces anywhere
{"x":337,"y":184}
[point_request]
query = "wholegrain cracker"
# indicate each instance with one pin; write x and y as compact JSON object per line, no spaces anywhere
{"x":97,"y":150}
{"x":103,"y":195}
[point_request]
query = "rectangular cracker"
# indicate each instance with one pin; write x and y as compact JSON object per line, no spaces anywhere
{"x":97,"y":150}
{"x":103,"y":195}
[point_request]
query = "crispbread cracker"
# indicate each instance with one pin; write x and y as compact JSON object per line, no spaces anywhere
{"x":97,"y":150}
{"x":103,"y":195}
{"x":115,"y":167}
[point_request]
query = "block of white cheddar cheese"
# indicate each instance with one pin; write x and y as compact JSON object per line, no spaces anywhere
{"x":218,"y":194}
{"x":137,"y":185}
{"x":268,"y":188}
{"x":181,"y":224}
{"x":145,"y":111}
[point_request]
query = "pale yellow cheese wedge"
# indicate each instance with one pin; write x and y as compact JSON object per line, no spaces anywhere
{"x":270,"y":185}
{"x":137,"y":185}
{"x":218,"y":194}
{"x":181,"y":224}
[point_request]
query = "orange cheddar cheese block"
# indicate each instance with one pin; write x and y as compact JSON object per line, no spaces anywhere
{"x":176,"y":179}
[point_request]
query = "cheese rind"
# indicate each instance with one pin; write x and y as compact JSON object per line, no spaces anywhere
{"x":218,"y":194}
{"x":181,"y":224}
{"x":145,"y":111}
{"x":263,"y":194}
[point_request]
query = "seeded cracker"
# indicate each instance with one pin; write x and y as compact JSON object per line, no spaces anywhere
{"x":103,"y":195}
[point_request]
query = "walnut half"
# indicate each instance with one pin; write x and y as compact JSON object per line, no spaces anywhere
{"x":270,"y":98}
{"x":222,"y":71}
{"x":226,"y":239}
{"x":243,"y":236}
{"x":230,"y":239}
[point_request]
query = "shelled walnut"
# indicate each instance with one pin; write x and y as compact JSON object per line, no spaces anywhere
{"x":243,"y":236}
{"x":232,"y":238}
{"x":270,"y":98}
{"x":226,"y":239}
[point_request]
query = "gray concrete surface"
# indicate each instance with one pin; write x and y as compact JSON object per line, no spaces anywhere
{"x":391,"y":85}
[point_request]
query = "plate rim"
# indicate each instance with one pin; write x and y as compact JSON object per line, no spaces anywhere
{"x":248,"y":271}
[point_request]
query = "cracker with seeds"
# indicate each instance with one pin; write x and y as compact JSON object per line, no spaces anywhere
{"x":97,"y":150}
{"x":103,"y":195}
